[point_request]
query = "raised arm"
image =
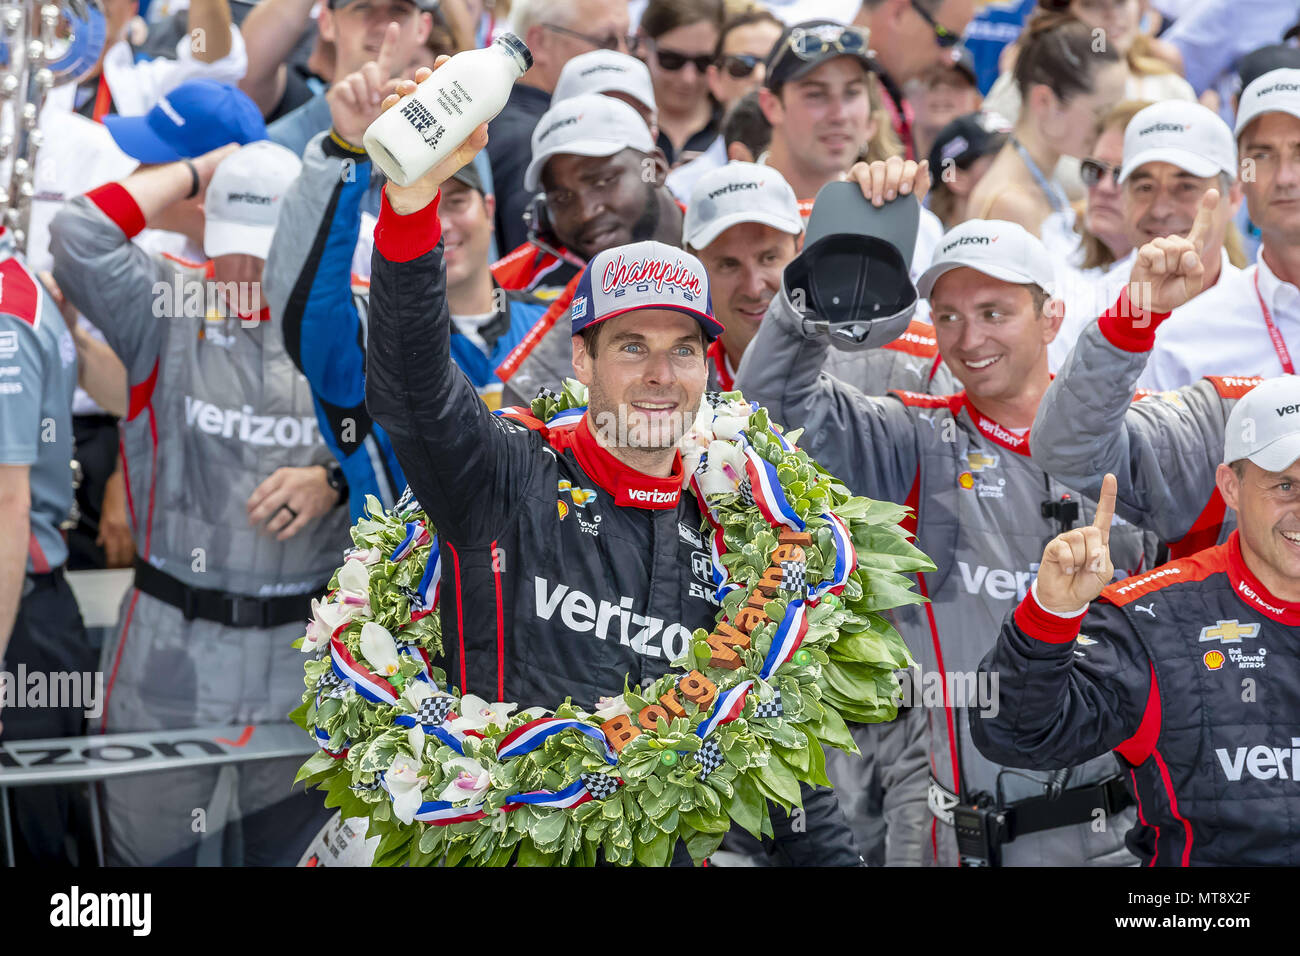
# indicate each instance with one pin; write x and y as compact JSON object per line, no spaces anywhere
{"x":210,"y":29}
{"x":465,"y":465}
{"x":1164,"y":449}
{"x":111,"y":280}
{"x":1059,"y":705}
{"x":271,"y":31}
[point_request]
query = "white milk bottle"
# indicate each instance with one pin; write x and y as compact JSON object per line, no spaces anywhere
{"x":409,"y":139}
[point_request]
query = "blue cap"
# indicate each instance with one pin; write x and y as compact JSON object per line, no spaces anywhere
{"x":195,"y":118}
{"x":643,"y":275}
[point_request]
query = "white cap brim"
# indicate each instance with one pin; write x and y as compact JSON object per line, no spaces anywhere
{"x":235,"y":238}
{"x":581,"y":147}
{"x":1280,"y":454}
{"x":1260,"y":109}
{"x":1185,"y":160}
{"x":925,"y":285}
{"x":707,"y":232}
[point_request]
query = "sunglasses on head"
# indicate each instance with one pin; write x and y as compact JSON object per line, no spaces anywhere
{"x":1093,"y":171}
{"x":808,"y":45}
{"x":739,"y":65}
{"x":672,"y":61}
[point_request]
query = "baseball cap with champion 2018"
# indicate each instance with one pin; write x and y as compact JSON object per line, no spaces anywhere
{"x":1003,"y":250}
{"x":736,"y":193}
{"x":1275,"y":92}
{"x":243,"y":199}
{"x":605,"y":71}
{"x":1188,"y":135}
{"x":587,"y":125}
{"x":194,"y":118}
{"x":1264,"y":425}
{"x":643,"y":275}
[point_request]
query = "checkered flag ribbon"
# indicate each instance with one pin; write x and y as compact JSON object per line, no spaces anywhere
{"x":794,"y":576}
{"x":600,"y":785}
{"x":710,"y":757}
{"x":331,"y":685}
{"x":713,"y":398}
{"x":434,"y":710}
{"x":545,"y":392}
{"x":771,"y":708}
{"x":407,"y":502}
{"x":746,"y":491}
{"x":364,"y":786}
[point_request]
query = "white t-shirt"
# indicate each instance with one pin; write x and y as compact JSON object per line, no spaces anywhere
{"x":471,"y":327}
{"x":1222,"y":331}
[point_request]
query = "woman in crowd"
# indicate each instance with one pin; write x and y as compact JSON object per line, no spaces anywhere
{"x":1067,"y":86}
{"x":678,"y":41}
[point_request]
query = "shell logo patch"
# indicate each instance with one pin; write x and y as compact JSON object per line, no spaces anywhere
{"x":966,"y":480}
{"x":579,"y":496}
{"x":1213,"y":660}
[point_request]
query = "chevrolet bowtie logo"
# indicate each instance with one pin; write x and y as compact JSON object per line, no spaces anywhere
{"x":978,"y":461}
{"x":1228,"y":632}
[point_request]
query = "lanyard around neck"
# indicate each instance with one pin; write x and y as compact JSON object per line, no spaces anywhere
{"x":1054,"y":195}
{"x":1279,"y":343}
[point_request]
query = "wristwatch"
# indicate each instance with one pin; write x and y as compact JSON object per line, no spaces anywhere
{"x":334,"y":475}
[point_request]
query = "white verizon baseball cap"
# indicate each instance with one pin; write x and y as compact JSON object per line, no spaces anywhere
{"x":1264,"y":426}
{"x":587,"y":125}
{"x":1003,"y":250}
{"x":1188,"y":135}
{"x":1277,"y":91}
{"x":736,"y":193}
{"x":243,"y":199}
{"x":605,"y":71}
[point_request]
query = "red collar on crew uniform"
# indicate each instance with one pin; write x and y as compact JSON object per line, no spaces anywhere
{"x":1250,"y":590}
{"x":996,"y":433}
{"x":630,"y":488}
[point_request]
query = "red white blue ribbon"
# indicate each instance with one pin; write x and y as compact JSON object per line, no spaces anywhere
{"x":570,"y":416}
{"x":369,"y":685}
{"x":439,"y":812}
{"x":452,"y":738}
{"x":769,"y":496}
{"x":573,"y":795}
{"x":721,"y":576}
{"x":727,"y":708}
{"x":422,"y":658}
{"x":430,"y":588}
{"x":416,"y":535}
{"x":789,"y":635}
{"x":534,"y":733}
{"x":846,"y":559}
{"x":323,"y":739}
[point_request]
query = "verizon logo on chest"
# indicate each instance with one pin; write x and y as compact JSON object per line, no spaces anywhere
{"x":284,"y":431}
{"x":582,"y":614}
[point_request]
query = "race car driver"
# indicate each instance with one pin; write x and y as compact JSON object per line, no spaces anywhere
{"x":235,"y":522}
{"x":1190,"y":674}
{"x":549,"y":602}
{"x":984,"y":508}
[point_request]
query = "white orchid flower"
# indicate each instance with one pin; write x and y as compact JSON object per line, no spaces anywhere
{"x":418,"y":691}
{"x":379,"y":649}
{"x":354,"y":586}
{"x":608,"y":707}
{"x":469,"y":784}
{"x":724,"y":470}
{"x":729,"y":427}
{"x":415,"y":738}
{"x":476,"y":713}
{"x":366,"y":556}
{"x":404,"y":784}
{"x":533,"y":713}
{"x":326,"y":617}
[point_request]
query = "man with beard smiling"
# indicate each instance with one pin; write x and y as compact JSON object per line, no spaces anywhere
{"x":526,"y":578}
{"x":604,"y":187}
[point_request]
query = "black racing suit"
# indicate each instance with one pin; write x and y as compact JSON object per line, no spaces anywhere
{"x":1191,"y":675}
{"x":563,"y":569}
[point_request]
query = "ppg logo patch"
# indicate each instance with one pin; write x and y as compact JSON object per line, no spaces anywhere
{"x":579,"y":308}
